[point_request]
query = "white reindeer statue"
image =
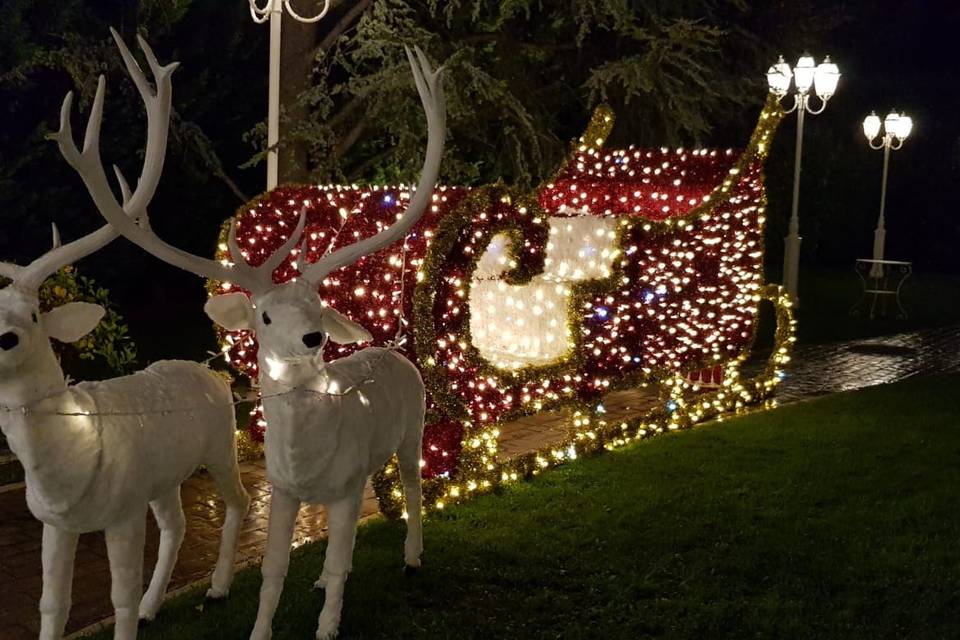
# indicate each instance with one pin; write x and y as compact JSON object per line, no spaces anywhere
{"x":331,"y":424}
{"x":96,"y":454}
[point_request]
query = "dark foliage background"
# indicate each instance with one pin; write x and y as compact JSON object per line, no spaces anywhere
{"x":523,"y":78}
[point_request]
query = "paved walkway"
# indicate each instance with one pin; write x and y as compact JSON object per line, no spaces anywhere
{"x":20,"y":550}
{"x":815,"y":370}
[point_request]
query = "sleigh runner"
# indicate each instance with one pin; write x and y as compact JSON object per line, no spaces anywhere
{"x":631,"y":267}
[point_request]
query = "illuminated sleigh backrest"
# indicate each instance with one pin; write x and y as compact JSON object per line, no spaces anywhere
{"x":631,"y":266}
{"x":696,"y":280}
{"x":520,"y":325}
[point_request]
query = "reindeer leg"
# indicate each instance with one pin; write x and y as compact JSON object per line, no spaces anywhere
{"x":321,"y":582}
{"x":125,"y":551}
{"x":408,"y":457}
{"x":342,"y":528}
{"x":283,"y":517}
{"x":235,"y":496}
{"x":59,"y":549}
{"x":169,"y":514}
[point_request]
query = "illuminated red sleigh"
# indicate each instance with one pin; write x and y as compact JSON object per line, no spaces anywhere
{"x":630,"y":267}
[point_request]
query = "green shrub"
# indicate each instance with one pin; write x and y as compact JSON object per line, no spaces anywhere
{"x":105,"y":352}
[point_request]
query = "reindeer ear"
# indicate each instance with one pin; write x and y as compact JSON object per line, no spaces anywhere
{"x":72,"y":321}
{"x":232,"y":311}
{"x":342,"y":329}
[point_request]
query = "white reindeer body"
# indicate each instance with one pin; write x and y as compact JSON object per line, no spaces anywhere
{"x":322,"y":441}
{"x":97,"y":454}
{"x":138,"y":443}
{"x":331,"y":431}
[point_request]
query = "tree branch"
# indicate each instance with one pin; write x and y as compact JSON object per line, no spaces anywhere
{"x":347,"y":109}
{"x":350,"y":139}
{"x":192,"y":138}
{"x":343,"y":24}
{"x":356,"y":174}
{"x":227,"y":180}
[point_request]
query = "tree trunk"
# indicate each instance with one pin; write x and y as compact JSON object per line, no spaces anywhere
{"x":296,"y":71}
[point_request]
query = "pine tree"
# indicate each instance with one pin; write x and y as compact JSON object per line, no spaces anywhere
{"x":522,"y":77}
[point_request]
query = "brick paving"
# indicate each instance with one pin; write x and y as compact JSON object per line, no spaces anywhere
{"x":551,"y":428}
{"x":815,"y":370}
{"x":20,"y":550}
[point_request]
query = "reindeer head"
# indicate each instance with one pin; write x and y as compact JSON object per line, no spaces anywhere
{"x":24,"y":331}
{"x":289,"y":319}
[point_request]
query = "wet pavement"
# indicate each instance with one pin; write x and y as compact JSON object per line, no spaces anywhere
{"x":817,"y":370}
{"x":814,"y":371}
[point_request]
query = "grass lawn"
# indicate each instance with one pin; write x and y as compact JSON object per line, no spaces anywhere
{"x":835,"y":518}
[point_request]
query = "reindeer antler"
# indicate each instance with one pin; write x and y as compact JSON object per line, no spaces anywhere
{"x":257,"y":279}
{"x":90,"y":167}
{"x":87,"y":164}
{"x":430,"y":87}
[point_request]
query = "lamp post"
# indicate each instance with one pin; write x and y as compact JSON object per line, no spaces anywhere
{"x":896,"y":127}
{"x":273,"y":11}
{"x":822,"y":79}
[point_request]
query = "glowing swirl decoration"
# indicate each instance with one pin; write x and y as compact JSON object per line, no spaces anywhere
{"x":630,"y":267}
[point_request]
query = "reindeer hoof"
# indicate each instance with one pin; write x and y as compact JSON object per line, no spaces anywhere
{"x":215,"y":595}
{"x":146,"y":615}
{"x":328,"y":632}
{"x":143,"y":623}
{"x":410,"y":570}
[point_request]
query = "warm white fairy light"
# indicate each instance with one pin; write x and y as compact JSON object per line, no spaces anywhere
{"x":515,"y":326}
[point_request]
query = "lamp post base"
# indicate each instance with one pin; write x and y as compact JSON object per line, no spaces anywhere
{"x":791,"y":265}
{"x":879,"y":239}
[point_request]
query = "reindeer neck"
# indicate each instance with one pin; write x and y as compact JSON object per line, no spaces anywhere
{"x":55,"y":451}
{"x":37,"y":379}
{"x":277,"y":378}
